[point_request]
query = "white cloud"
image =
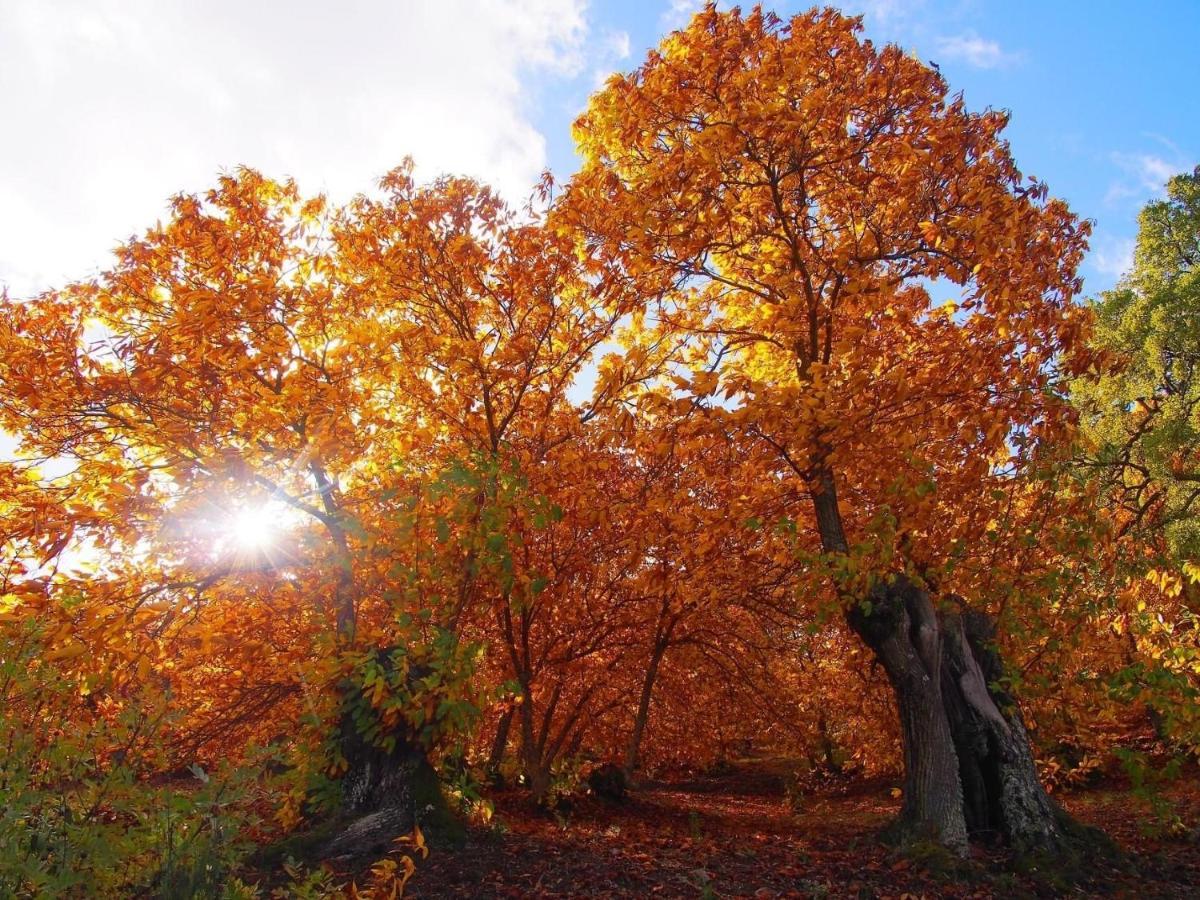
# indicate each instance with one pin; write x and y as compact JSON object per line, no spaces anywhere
{"x":1144,"y":174}
{"x":885,"y":11}
{"x":610,"y":53}
{"x":890,"y":20}
{"x":975,"y":51}
{"x":1151,"y":171}
{"x":111,"y":106}
{"x":678,"y":13}
{"x":616,"y":44}
{"x":1113,"y":256}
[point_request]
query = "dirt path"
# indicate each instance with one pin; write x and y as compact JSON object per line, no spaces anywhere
{"x":738,"y":836}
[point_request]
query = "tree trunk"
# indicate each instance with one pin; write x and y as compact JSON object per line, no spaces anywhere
{"x":537,"y":773}
{"x":633,"y":749}
{"x":901,"y":627}
{"x":376,"y":778}
{"x":378,"y":793}
{"x":1002,"y":797}
{"x":384,"y":791}
{"x":968,"y":765}
{"x":537,"y":777}
{"x":499,"y":745}
{"x":828,"y":748}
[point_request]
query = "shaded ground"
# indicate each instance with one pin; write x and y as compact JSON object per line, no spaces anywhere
{"x":737,"y":836}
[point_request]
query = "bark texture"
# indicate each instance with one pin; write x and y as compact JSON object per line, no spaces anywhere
{"x":385,"y":792}
{"x":969,"y":766}
{"x":379,"y":794}
{"x":376,"y":778}
{"x":1002,"y":797}
{"x":900,"y":625}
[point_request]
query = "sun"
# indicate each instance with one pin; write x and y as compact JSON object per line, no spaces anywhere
{"x":253,"y":527}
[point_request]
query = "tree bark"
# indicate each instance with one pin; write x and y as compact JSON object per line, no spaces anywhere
{"x":499,"y":745}
{"x":536,"y":771}
{"x":384,"y":790}
{"x":828,"y":748}
{"x":898,"y":622}
{"x":378,"y":780}
{"x":968,"y":764}
{"x":384,"y":794}
{"x":1002,"y":797}
{"x":633,"y":749}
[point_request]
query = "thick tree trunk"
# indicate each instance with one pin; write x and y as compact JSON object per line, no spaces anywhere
{"x":969,"y":766}
{"x":1002,"y":796}
{"x":900,"y":625}
{"x":379,"y":793}
{"x":385,"y":791}
{"x":376,"y":778}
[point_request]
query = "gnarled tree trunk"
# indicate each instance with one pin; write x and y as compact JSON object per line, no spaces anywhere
{"x":1002,"y":797}
{"x":379,"y":793}
{"x":899,"y":623}
{"x":385,"y":789}
{"x":968,"y":766}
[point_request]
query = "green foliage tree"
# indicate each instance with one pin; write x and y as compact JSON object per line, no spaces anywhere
{"x":1142,"y":416}
{"x":1140,"y":421}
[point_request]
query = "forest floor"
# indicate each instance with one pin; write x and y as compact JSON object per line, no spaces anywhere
{"x":737,"y":835}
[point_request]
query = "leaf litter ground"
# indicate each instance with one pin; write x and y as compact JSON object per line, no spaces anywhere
{"x":737,"y":835}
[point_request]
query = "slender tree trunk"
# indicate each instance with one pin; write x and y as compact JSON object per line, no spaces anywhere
{"x":828,"y":514}
{"x":499,"y":745}
{"x":828,"y":749}
{"x":537,"y":775}
{"x":633,"y":749}
{"x":344,"y":593}
{"x":576,"y":742}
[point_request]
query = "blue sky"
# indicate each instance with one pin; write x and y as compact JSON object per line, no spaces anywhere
{"x":111,"y":106}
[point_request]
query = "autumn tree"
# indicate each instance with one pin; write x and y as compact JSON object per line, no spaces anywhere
{"x":186,"y":388}
{"x":267,"y":408}
{"x":712,"y":582}
{"x":803,"y":192}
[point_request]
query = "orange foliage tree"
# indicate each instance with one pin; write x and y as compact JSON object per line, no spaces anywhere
{"x":800,"y":192}
{"x":271,"y":412}
{"x":326,"y":465}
